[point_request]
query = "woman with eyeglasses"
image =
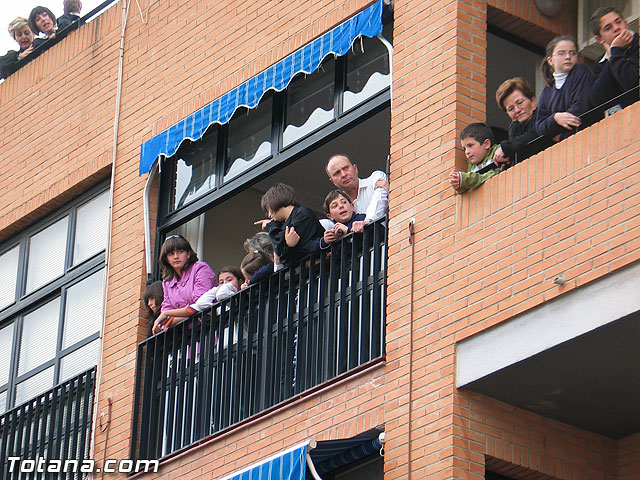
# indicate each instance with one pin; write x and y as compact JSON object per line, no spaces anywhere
{"x":184,"y":278}
{"x":516,"y":97}
{"x":566,"y":95}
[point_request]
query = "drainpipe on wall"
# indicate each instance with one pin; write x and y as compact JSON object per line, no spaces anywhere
{"x":116,"y":121}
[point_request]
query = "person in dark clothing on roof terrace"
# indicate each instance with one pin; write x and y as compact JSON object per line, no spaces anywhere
{"x":21,"y":33}
{"x":71,"y":13}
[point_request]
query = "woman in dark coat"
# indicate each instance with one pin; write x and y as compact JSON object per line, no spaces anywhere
{"x":516,"y":97}
{"x":21,"y":33}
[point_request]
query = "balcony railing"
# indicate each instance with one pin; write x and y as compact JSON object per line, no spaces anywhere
{"x":588,"y":118}
{"x":53,"y":426}
{"x":266,"y":344}
{"x":60,"y":34}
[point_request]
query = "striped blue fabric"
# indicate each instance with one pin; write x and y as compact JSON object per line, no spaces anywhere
{"x":290,"y":465}
{"x":331,"y":454}
{"x":307,"y":59}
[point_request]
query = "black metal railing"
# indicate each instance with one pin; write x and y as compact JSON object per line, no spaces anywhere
{"x":266,"y":344}
{"x":60,"y":34}
{"x":53,"y":426}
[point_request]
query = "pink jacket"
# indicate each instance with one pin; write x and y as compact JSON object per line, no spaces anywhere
{"x":196,"y":280}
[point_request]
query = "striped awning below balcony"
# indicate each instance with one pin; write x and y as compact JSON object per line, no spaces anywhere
{"x":307,"y":59}
{"x":326,"y":455}
{"x":288,"y":465}
{"x":332,"y":454}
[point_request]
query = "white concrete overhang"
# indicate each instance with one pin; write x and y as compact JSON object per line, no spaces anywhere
{"x":575,"y":359}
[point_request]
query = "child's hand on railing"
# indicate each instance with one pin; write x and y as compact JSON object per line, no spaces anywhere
{"x":161,"y":323}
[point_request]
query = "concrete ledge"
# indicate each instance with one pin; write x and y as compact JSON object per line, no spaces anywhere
{"x":562,"y":319}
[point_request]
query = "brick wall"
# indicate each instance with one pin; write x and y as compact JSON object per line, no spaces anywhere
{"x":175,"y":64}
{"x":523,"y":19}
{"x":343,"y":409}
{"x":57,"y":122}
{"x":629,"y":457}
{"x":571,"y":209}
{"x":58,"y":116}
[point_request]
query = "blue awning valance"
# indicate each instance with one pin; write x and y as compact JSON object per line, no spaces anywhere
{"x":331,"y":454}
{"x":307,"y":59}
{"x":289,"y":465}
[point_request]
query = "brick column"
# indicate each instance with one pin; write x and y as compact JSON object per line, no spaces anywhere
{"x":438,"y":88}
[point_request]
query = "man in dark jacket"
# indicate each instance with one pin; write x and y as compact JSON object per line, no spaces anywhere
{"x":617,"y":71}
{"x":71,"y":13}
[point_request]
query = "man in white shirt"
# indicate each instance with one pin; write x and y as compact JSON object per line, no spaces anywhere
{"x":370,"y":195}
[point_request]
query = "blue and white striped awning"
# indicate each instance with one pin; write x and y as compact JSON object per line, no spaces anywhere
{"x":331,"y":454}
{"x":307,"y":59}
{"x":288,"y":465}
{"x":326,"y":455}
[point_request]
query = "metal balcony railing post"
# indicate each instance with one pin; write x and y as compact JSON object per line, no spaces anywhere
{"x":281,"y":337}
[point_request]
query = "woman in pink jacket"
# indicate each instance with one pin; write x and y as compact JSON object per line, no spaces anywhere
{"x":184,"y":279}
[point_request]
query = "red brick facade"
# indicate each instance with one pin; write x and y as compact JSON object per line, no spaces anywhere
{"x":572,"y":209}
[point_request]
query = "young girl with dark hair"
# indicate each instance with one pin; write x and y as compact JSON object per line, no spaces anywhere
{"x":184,"y":279}
{"x":256,"y":266}
{"x":566,"y":95}
{"x":152,"y":298}
{"x":230,"y":278}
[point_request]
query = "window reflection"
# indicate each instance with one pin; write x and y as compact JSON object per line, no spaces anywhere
{"x":76,"y":362}
{"x":47,"y":251}
{"x":92,"y":226}
{"x":39,"y":336}
{"x":367,"y":71}
{"x":196,"y":169}
{"x":249,"y":139}
{"x":34,"y":386}
{"x":83,"y":309}
{"x":9,"y":272}
{"x":309,"y":102}
{"x":6,"y":341}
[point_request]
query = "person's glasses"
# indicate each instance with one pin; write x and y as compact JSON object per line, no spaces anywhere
{"x":520,"y":104}
{"x":564,"y":53}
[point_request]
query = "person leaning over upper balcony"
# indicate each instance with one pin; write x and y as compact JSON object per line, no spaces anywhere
{"x":43,"y":23}
{"x":479,"y":147}
{"x":152,"y":298}
{"x":71,"y":13}
{"x":292,"y":227}
{"x":566,"y":95}
{"x":516,"y":97}
{"x":371,"y":194}
{"x":340,"y":210}
{"x":617,"y":70}
{"x":184,"y":279}
{"x":229,"y":281}
{"x":21,"y":33}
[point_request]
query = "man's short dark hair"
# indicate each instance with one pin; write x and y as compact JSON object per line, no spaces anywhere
{"x":594,"y":21}
{"x":479,"y":132}
{"x":278,"y":196}
{"x":332,"y":195}
{"x":39,"y":11}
